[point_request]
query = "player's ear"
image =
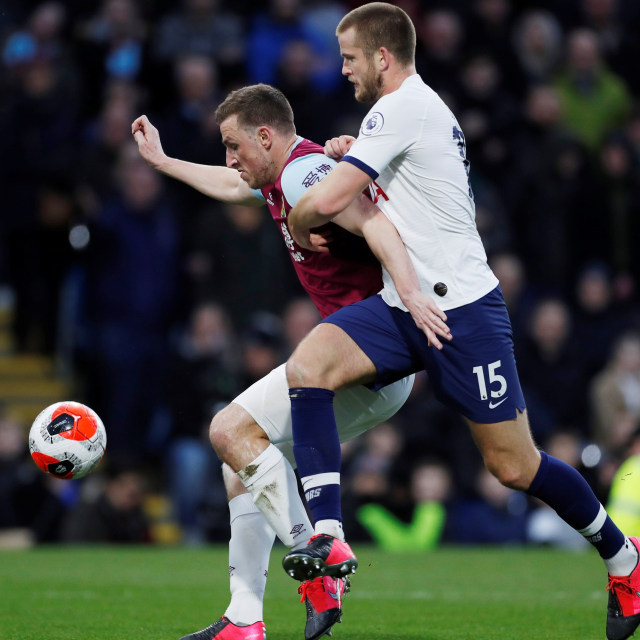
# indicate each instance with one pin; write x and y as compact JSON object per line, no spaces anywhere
{"x":265,"y":137}
{"x":383,"y":58}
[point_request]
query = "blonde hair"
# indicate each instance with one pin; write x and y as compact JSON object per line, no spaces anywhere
{"x":379,"y":24}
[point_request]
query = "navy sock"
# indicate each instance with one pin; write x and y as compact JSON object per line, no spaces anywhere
{"x":566,"y":491}
{"x":316,"y":447}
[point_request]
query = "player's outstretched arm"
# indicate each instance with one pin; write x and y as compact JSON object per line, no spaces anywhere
{"x":221,"y":183}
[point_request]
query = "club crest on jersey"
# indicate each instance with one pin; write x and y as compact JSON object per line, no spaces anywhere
{"x":373,"y":125}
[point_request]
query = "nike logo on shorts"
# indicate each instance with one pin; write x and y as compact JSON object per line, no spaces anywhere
{"x":493,"y":405}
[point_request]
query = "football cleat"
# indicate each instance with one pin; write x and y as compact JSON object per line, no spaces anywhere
{"x":224,"y":629}
{"x":623,"y":611}
{"x":324,"y":555}
{"x":322,"y":598}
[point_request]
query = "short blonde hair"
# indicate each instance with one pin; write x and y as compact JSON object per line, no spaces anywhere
{"x":379,"y":24}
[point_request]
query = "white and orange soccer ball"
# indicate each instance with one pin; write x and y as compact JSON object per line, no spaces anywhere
{"x":67,"y":440}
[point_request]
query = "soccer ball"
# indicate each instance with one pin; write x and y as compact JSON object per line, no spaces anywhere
{"x":67,"y":440}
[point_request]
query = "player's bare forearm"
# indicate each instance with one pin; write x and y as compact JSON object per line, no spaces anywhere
{"x":387,"y":245}
{"x":306,"y":215}
{"x":220,"y":183}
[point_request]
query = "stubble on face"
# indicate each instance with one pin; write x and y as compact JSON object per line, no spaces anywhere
{"x":263,"y":175}
{"x":361,"y":68}
{"x":370,"y":87}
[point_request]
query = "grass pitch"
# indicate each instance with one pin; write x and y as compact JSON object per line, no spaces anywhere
{"x":114,"y":593}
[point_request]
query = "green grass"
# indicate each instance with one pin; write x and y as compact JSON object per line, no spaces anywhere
{"x":162,"y":593}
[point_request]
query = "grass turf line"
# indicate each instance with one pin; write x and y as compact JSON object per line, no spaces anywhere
{"x":115,"y":593}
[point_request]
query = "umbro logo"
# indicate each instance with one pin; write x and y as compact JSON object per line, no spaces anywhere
{"x":493,"y":405}
{"x":297,"y":530}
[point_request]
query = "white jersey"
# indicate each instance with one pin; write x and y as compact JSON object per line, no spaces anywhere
{"x":413,"y":148}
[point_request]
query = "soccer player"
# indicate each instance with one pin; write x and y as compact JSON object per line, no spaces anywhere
{"x":268,"y":162}
{"x":411,"y":153}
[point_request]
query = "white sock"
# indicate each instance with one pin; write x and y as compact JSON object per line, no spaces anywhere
{"x":331,"y":528}
{"x":271,"y":481}
{"x":625,"y":561}
{"x":249,"y":550}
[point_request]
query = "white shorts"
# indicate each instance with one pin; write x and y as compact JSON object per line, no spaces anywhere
{"x":357,"y":409}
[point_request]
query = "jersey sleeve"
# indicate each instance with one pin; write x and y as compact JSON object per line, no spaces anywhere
{"x":302,"y":173}
{"x":386,"y":132}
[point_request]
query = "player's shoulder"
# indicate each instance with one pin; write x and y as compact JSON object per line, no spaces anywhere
{"x":303,"y":172}
{"x":314,"y":161}
{"x":411,"y":93}
{"x":400,"y":107}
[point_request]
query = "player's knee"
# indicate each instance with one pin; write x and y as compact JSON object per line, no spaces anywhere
{"x":508,"y":473}
{"x":294,"y":376}
{"x":221,"y":435}
{"x":301,"y":374}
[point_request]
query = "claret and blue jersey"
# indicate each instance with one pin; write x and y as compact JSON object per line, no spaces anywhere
{"x":349,"y":272}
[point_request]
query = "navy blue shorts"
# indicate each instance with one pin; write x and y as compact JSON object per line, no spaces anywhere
{"x":474,"y":374}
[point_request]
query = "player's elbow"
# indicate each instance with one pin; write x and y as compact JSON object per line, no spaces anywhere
{"x":329,"y":205}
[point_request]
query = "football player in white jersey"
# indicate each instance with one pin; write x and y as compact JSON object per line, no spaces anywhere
{"x":411,"y":153}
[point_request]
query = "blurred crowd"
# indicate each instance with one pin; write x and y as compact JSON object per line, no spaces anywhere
{"x":165,"y":304}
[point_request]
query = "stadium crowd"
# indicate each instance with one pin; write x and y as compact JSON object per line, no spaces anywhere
{"x":166,"y":304}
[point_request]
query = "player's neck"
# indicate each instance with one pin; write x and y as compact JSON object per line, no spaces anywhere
{"x":284,"y":151}
{"x":393,"y":79}
{"x":290,"y":144}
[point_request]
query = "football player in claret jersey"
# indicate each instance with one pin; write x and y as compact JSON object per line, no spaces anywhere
{"x":267,"y":162}
{"x":411,"y":152}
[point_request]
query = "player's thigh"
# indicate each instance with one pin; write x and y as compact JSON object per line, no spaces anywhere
{"x":476,"y":372}
{"x":329,"y":358}
{"x":356,"y":408}
{"x":267,"y":404}
{"x":508,"y":450}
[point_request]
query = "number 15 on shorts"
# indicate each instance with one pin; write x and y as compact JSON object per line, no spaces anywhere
{"x":493,"y":379}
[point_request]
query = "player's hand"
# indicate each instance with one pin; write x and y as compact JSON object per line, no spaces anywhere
{"x":336,"y":148}
{"x":320,"y":239}
{"x":148,"y":139}
{"x":429,"y":317}
{"x":302,"y":238}
{"x":300,"y":234}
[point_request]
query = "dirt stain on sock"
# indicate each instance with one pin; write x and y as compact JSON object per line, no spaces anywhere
{"x":264,"y":499}
{"x":249,"y":471}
